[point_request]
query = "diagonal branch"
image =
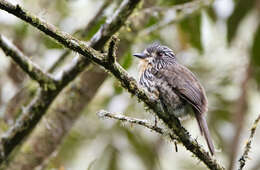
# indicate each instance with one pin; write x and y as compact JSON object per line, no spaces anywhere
{"x":172,"y":122}
{"x":126,"y":80}
{"x":145,"y":123}
{"x":25,"y":63}
{"x":37,"y":108}
{"x":244,"y":156}
{"x":96,"y":18}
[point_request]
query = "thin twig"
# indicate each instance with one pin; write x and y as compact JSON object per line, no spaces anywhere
{"x":59,"y":61}
{"x":96,"y":18}
{"x":244,"y":157}
{"x":141,"y":122}
{"x":83,"y":34}
{"x":25,"y":63}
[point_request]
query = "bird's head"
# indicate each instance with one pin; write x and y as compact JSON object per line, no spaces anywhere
{"x":157,"y":56}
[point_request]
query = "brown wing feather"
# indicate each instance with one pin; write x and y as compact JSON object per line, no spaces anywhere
{"x":186,"y":85}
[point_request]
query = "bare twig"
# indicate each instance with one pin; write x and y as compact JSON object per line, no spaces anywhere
{"x":35,"y":110}
{"x":247,"y":148}
{"x":25,"y":63}
{"x":141,"y":122}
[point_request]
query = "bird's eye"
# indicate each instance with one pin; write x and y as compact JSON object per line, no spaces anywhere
{"x":160,"y":53}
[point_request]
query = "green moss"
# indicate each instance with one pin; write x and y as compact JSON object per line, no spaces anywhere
{"x":52,"y":86}
{"x":30,"y":67}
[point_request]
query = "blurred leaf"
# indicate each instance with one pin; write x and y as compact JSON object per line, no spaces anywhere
{"x":242,"y":7}
{"x":152,"y":21}
{"x":117,"y":87}
{"x":222,"y":109}
{"x":62,"y":7}
{"x":107,"y":161}
{"x":94,"y":29}
{"x":255,"y":55}
{"x":153,"y":37}
{"x":172,"y":2}
{"x":21,"y":29}
{"x":127,"y":60}
{"x":144,"y":149}
{"x":50,"y":43}
{"x":191,"y":29}
{"x":211,"y":13}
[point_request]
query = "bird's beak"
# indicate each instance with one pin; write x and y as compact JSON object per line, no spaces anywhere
{"x":140,"y":55}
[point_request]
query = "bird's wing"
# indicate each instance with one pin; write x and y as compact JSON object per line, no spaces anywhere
{"x":185,"y":84}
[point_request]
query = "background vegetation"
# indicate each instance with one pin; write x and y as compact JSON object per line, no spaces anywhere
{"x":218,"y":40}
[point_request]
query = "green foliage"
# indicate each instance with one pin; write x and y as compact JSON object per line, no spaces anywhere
{"x":21,"y":29}
{"x":211,"y":13}
{"x":255,"y":55}
{"x":172,"y":2}
{"x":126,"y":62}
{"x":191,"y":29}
{"x":242,"y":7}
{"x":118,"y":88}
{"x":152,"y":21}
{"x":94,"y":29}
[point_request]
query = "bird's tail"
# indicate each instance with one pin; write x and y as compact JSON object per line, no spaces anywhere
{"x":205,"y":131}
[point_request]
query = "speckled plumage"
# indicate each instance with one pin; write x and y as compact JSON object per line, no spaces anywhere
{"x":176,"y":86}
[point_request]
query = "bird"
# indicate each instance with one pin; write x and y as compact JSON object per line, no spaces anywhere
{"x":174,"y":85}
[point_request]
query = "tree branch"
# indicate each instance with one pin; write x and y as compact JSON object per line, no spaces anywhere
{"x":145,"y":123}
{"x":63,"y":112}
{"x":25,"y":63}
{"x":14,"y":109}
{"x":172,"y":122}
{"x":247,"y":148}
{"x":35,"y":110}
{"x":96,"y":18}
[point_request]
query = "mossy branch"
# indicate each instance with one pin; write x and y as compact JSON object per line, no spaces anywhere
{"x":126,"y":80}
{"x":244,"y":157}
{"x":141,"y":122}
{"x":25,"y":63}
{"x":68,"y":111}
{"x":37,"y":108}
